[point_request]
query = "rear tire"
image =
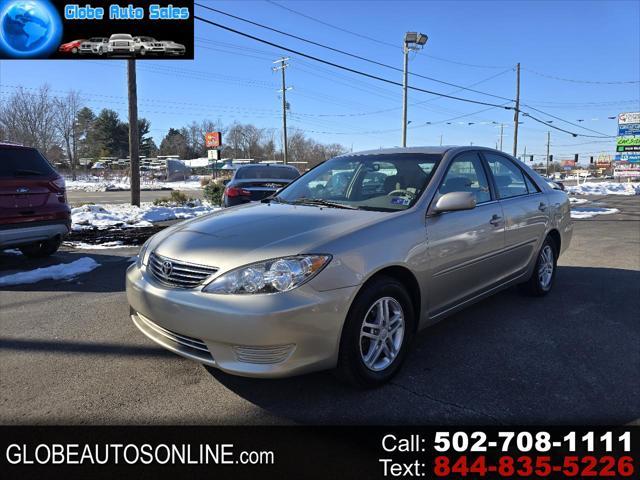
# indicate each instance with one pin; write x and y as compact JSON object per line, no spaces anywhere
{"x":42,"y":249}
{"x":544,"y":273}
{"x":377,"y":334}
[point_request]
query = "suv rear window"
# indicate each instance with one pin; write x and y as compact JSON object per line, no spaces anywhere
{"x":267,"y":172}
{"x":23,"y":162}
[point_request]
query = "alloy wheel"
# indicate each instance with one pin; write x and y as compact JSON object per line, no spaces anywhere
{"x":545,"y":267}
{"x":382,"y":333}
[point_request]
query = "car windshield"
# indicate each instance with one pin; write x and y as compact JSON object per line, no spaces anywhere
{"x":267,"y":172}
{"x":23,"y":162}
{"x":382,"y":182}
{"x":121,"y":37}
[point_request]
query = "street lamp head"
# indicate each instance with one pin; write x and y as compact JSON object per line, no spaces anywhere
{"x":415,"y":38}
{"x":410,"y":37}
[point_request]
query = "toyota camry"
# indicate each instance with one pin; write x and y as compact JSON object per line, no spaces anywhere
{"x":341,"y":268}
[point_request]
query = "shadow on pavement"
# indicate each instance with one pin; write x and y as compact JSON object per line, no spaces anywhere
{"x":82,"y":348}
{"x":571,"y":357}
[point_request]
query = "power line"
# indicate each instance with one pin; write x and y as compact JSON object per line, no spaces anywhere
{"x":371,"y":39}
{"x":566,"y":121}
{"x":342,"y":67}
{"x":382,"y":79}
{"x":343,"y":52}
{"x":593,"y":82}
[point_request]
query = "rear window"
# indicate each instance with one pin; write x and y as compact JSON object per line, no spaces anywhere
{"x":267,"y":172}
{"x":19,"y":162}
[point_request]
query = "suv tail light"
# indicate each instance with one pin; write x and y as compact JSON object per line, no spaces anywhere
{"x":58,"y":186}
{"x":236,"y":192}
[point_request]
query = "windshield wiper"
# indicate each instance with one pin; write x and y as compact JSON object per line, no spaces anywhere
{"x":323,"y":203}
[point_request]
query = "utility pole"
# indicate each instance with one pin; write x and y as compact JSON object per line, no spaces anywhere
{"x":548,"y":143}
{"x":282,"y":67}
{"x":501,"y":134}
{"x":134,"y":147}
{"x":440,"y":140}
{"x":516,"y":114}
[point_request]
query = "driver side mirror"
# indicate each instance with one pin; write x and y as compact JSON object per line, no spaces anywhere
{"x":454,"y":201}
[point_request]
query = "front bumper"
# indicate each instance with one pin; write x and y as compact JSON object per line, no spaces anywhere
{"x":273,"y":335}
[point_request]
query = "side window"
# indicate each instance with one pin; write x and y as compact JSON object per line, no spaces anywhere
{"x":532,"y":187}
{"x":510,"y":181}
{"x":466,"y":174}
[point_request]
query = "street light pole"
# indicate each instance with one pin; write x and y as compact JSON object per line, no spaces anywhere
{"x":412,"y":41}
{"x":404,"y":94}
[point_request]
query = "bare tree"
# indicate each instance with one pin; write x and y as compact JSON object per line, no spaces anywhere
{"x":66,"y":116}
{"x":28,"y":118}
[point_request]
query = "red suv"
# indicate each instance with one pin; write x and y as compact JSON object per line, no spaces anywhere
{"x":34,"y":215}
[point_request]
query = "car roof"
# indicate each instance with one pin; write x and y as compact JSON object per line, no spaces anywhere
{"x":6,"y":145}
{"x":432,"y":150}
{"x":252,"y":165}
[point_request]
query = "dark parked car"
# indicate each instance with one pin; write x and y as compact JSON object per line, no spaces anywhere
{"x":34,"y":215}
{"x":254,"y":182}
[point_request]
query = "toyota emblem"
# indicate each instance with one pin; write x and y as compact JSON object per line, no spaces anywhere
{"x":167,"y":268}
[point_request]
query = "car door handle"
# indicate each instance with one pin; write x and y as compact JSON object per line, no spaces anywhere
{"x":542,"y":207}
{"x":495,"y":220}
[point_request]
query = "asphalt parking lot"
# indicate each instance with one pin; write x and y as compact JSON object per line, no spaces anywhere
{"x":69,"y":354}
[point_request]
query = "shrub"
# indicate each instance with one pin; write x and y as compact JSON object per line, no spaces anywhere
{"x":213,"y":193}
{"x":175,"y":198}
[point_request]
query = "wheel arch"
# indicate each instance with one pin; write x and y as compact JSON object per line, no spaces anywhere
{"x":554,"y":235}
{"x":408,"y":280}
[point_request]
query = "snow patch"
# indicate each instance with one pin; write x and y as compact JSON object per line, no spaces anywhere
{"x":605,"y":188}
{"x":101,"y":246}
{"x":62,"y":271}
{"x":129,"y":216}
{"x":99,"y":184}
{"x":588,"y":212}
{"x":577,"y":201}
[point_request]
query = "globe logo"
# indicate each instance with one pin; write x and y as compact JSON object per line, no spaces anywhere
{"x":29,"y":29}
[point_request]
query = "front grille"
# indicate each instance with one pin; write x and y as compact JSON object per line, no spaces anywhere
{"x":263,"y":355}
{"x":120,"y":44}
{"x":180,"y":274}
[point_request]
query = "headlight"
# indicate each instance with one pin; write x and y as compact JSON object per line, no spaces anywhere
{"x":271,"y":276}
{"x":142,"y":254}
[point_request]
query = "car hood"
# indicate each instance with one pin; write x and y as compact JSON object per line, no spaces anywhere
{"x":258,"y":231}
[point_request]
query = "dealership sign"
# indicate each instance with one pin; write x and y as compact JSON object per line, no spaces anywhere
{"x":628,"y":157}
{"x":66,"y":30}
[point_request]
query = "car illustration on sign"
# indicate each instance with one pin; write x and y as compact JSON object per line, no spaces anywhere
{"x":120,"y":44}
{"x":71,"y":47}
{"x":147,"y":45}
{"x":173,"y":48}
{"x":94,"y":45}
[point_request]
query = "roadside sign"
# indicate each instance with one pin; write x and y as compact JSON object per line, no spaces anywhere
{"x":628,"y":148}
{"x":628,"y":117}
{"x":628,"y":129}
{"x":628,"y":141}
{"x":213,"y":139}
{"x":629,"y":157}
{"x":213,"y":154}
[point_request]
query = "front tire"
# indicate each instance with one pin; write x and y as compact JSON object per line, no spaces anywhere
{"x":42,"y":249}
{"x":377,"y":334}
{"x":544,"y":273}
